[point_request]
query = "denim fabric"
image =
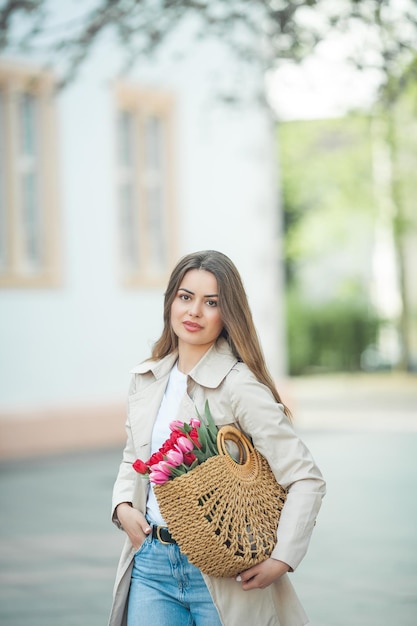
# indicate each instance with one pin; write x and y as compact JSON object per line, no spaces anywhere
{"x":166,"y":590}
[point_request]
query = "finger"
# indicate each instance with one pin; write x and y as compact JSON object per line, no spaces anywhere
{"x":248,"y":574}
{"x":142,"y":523}
{"x":245,"y":577}
{"x":252,"y":583}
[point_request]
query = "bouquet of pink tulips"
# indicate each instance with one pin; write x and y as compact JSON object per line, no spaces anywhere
{"x":187,"y":446}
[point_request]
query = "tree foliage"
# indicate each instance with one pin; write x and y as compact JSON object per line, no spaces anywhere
{"x":385,"y":31}
{"x":330,"y":337}
{"x":327,"y":190}
{"x":336,"y":198}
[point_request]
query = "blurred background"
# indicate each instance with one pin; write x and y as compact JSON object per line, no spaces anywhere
{"x":283,"y":133}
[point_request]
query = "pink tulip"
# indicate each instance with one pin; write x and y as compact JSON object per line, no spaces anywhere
{"x":176,"y":425}
{"x":163,"y":467}
{"x":174,"y":457}
{"x":184,"y":444}
{"x":194,"y":422}
{"x":158,"y":478}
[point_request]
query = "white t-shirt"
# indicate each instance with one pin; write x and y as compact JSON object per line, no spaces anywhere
{"x":176,"y":387}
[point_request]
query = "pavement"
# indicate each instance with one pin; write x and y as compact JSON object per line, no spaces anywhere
{"x":59,"y":550}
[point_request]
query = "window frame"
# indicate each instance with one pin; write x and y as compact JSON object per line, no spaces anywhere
{"x":16,"y":82}
{"x":144,"y":104}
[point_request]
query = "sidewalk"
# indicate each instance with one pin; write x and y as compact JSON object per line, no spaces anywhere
{"x":59,"y":550}
{"x":385,"y":401}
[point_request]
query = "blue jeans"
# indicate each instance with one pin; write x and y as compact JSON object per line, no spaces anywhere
{"x":166,"y":590}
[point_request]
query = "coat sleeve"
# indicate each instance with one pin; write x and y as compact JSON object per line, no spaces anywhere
{"x":124,"y":486}
{"x":263,"y":419}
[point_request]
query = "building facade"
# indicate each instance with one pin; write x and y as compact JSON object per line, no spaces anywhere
{"x":104,"y":184}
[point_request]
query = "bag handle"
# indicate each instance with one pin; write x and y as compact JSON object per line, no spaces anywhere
{"x":248,"y":464}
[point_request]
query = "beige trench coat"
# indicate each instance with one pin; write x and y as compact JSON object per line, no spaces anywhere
{"x":235,"y":397}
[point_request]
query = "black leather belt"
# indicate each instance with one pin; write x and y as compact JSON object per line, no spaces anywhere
{"x":162,"y":534}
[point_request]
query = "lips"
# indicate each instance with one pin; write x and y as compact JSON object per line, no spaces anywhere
{"x":192,"y":326}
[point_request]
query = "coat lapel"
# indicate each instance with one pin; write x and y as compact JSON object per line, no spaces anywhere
{"x":143,"y":409}
{"x":144,"y":405}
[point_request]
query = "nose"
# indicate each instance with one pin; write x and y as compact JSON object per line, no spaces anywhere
{"x":195,"y":309}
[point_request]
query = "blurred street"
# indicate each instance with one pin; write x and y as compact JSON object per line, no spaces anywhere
{"x":59,"y":549}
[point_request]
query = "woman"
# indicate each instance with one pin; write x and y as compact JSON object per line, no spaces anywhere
{"x":208,"y":350}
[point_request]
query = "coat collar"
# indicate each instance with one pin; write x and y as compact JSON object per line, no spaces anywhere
{"x":211,"y":369}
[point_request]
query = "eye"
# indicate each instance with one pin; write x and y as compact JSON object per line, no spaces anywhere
{"x":212,"y":303}
{"x":184,"y":296}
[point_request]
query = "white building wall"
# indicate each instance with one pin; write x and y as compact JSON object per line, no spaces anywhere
{"x":76,"y":343}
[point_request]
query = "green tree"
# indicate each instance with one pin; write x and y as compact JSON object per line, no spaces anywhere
{"x":328,"y":196}
{"x":266,"y":30}
{"x":327,"y":187}
{"x":395,"y":128}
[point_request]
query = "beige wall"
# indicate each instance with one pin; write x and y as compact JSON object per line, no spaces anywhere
{"x":62,"y":429}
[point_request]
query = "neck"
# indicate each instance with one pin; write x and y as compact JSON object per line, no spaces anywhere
{"x":189,"y":356}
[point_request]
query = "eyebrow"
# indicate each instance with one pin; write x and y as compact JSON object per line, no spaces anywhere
{"x":209,"y":295}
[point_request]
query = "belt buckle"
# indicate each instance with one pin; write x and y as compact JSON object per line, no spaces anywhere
{"x":158,"y":536}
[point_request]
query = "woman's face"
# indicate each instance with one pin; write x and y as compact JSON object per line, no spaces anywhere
{"x":195,"y":313}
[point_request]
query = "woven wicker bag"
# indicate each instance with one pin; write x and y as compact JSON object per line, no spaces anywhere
{"x":224,"y":513}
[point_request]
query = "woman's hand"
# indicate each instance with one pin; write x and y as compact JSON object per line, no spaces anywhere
{"x":262,"y":575}
{"x":133,"y":523}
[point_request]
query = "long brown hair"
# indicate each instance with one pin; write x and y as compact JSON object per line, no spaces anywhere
{"x":239,"y":329}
